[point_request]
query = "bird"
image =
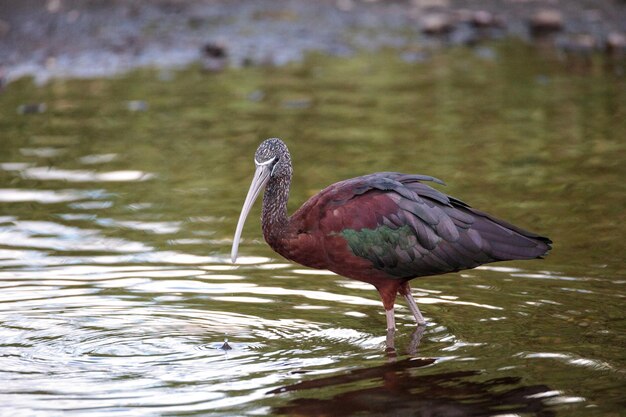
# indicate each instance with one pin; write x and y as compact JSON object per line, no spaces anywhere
{"x":384,"y":229}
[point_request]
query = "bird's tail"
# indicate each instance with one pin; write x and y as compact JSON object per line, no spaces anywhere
{"x":504,"y":241}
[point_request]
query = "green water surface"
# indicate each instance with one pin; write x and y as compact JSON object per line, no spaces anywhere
{"x":115,"y":232}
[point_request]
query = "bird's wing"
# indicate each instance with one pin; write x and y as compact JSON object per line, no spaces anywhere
{"x":408,"y":229}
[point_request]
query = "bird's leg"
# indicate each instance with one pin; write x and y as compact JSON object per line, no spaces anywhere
{"x":405,"y":290}
{"x":388,"y":294}
{"x":391,"y":320}
{"x":415,"y":309}
{"x":390,"y":342}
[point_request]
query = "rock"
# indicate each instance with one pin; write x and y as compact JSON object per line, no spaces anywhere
{"x":545,"y":22}
{"x":215,"y":50}
{"x":484,"y":19}
{"x":214,"y":56}
{"x":474,"y":26}
{"x":436,"y":24}
{"x":616,"y":44}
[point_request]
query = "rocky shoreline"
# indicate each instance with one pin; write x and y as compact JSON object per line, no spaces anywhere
{"x":96,"y":38}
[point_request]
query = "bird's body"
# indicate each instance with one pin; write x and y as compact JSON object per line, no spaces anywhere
{"x":384,"y":229}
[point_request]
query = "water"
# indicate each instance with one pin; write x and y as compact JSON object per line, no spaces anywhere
{"x":116,"y":219}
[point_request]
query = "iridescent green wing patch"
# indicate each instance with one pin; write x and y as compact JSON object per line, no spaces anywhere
{"x":389,"y":249}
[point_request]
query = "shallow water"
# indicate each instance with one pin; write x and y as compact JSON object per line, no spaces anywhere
{"x":116,"y":220}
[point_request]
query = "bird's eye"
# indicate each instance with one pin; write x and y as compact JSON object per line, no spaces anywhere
{"x":274,"y":165}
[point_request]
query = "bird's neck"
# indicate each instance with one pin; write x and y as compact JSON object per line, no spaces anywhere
{"x":274,"y":219}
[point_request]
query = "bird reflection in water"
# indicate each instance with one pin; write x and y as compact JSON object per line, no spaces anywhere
{"x":411,"y":350}
{"x":397,"y":388}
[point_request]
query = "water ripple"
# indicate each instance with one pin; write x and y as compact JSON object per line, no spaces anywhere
{"x":14,"y":195}
{"x":51,"y":235}
{"x":168,"y":347}
{"x":57,"y":174}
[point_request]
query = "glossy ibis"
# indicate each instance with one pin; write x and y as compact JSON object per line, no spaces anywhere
{"x":384,"y":228}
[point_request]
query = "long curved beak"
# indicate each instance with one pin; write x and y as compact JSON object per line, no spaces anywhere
{"x":261,"y":176}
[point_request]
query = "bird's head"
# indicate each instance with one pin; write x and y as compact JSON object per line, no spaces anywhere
{"x":272,"y":161}
{"x":273,"y":155}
